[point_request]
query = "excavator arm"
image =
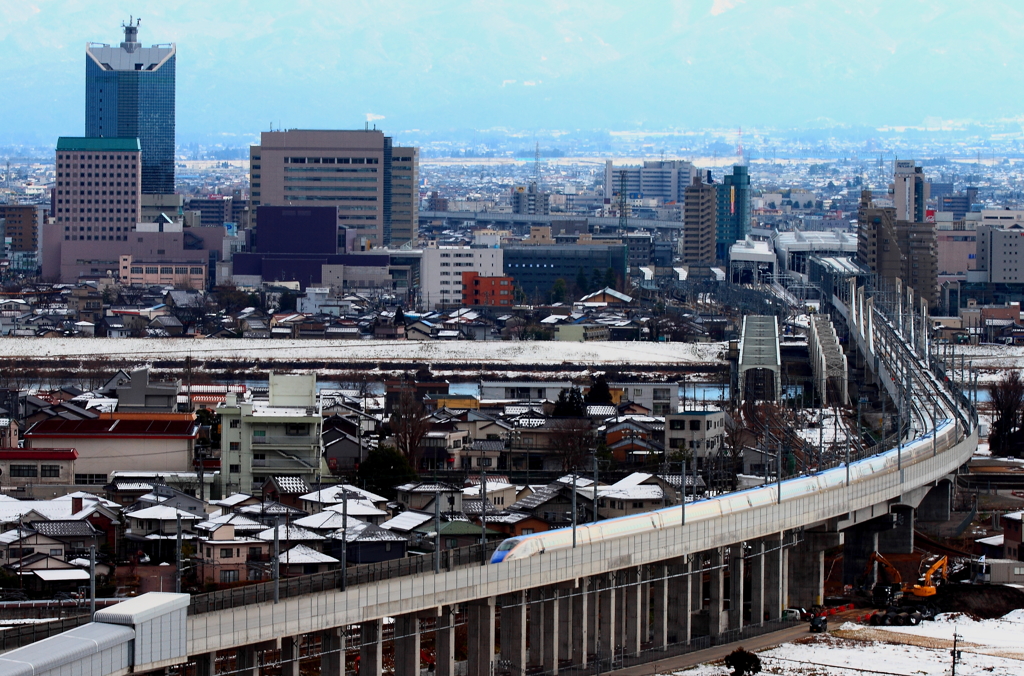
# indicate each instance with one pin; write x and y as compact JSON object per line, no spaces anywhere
{"x":928,"y":588}
{"x":890,"y":570}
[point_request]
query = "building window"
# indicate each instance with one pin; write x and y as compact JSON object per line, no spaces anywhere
{"x":90,"y":479}
{"x":235,"y":445}
{"x":51,"y":471}
{"x":228,"y":576}
{"x":235,"y":469}
{"x":56,"y":552}
{"x":23,"y":471}
{"x":451,"y":543}
{"x":235,"y":424}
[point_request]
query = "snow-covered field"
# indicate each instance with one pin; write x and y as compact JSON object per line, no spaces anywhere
{"x":988,"y":648}
{"x":490,"y":352}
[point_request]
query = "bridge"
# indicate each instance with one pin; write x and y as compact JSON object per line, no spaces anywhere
{"x":704,"y":576}
{"x":508,"y":219}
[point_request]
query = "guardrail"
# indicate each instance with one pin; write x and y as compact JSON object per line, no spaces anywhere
{"x":332,"y":580}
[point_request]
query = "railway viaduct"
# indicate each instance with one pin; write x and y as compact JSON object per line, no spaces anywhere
{"x":616,"y":602}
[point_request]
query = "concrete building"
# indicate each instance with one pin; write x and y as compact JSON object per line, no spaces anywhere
{"x":917,"y":243}
{"x":214,"y":210}
{"x":129,"y":93}
{"x":535,"y":269}
{"x":373,"y":184}
{"x":279,"y":436}
{"x":733,"y":210}
{"x":752,"y":262}
{"x":530,"y":200}
{"x":38,"y":466}
{"x":794,"y":248}
{"x":442,"y":268}
{"x":910,"y":191}
{"x":478,"y":290}
{"x":1000,"y":252}
{"x":956,"y":242}
{"x":664,"y":180}
{"x":87,"y":208}
{"x":183,"y":274}
{"x":697,"y":243}
{"x":23,"y":224}
{"x":126,"y":442}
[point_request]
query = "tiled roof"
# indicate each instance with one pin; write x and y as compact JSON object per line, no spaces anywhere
{"x":291,"y":485}
{"x":56,"y":529}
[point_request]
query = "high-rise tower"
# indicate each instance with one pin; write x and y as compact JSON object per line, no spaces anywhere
{"x":129,"y":93}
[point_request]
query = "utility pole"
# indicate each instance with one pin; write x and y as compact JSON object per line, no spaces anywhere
{"x":574,"y":508}
{"x":277,"y":559}
{"x":483,"y":516}
{"x":344,"y":539}
{"x":177,"y":557}
{"x":955,"y":652}
{"x":437,"y":532}
{"x":92,"y":581}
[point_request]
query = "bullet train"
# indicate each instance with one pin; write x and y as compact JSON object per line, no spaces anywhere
{"x":920,"y":448}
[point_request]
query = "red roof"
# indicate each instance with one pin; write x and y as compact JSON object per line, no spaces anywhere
{"x":105,"y":427}
{"x":38,"y":454}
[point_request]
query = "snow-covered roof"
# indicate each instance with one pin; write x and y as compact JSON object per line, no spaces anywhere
{"x":165,"y":513}
{"x":301,"y":554}
{"x":407,"y":521}
{"x":356,"y":508}
{"x":334,"y":494}
{"x":231,"y":500}
{"x":289,"y":533}
{"x":326,"y":520}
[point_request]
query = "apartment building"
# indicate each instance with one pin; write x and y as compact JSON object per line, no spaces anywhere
{"x":278,"y":436}
{"x":442,"y":268}
{"x":698,"y":432}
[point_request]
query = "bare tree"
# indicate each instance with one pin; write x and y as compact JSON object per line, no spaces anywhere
{"x":1007,"y":435}
{"x":409,"y":424}
{"x":572,"y":440}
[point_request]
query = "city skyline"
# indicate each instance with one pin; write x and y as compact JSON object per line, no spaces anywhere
{"x":455,"y":66}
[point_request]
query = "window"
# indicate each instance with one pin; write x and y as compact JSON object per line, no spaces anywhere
{"x":235,"y":445}
{"x":255,"y":552}
{"x":234,"y":469}
{"x":451,"y":543}
{"x":90,"y":479}
{"x":50,"y":470}
{"x":227,"y":576}
{"x":661,"y":394}
{"x":235,"y":424}
{"x":677,"y":425}
{"x":638,"y":505}
{"x":485,"y":462}
{"x":695,"y":425}
{"x":23,"y":471}
{"x":56,"y":552}
{"x":227,"y":553}
{"x":527,"y":531}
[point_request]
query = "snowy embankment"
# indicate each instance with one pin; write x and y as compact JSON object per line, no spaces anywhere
{"x":988,"y":648}
{"x":991,"y":358}
{"x":441,"y":352}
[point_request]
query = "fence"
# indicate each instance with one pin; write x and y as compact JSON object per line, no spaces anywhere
{"x":332,"y":580}
{"x":22,"y":635}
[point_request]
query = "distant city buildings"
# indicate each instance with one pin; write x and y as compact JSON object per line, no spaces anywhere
{"x":664,"y":180}
{"x":530,"y":200}
{"x":129,"y":93}
{"x":909,"y":191}
{"x":374,"y":185}
{"x":697,"y":243}
{"x":732,"y":222}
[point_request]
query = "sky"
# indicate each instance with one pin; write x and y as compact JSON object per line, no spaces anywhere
{"x":244,"y":65}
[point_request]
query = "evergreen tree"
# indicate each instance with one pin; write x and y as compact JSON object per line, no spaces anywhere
{"x":599,"y":392}
{"x":570,"y":404}
{"x":383,"y":469}
{"x":611,"y":280}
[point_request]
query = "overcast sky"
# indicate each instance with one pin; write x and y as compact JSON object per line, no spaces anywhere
{"x":528,"y":65}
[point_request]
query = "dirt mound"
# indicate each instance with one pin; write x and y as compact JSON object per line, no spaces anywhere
{"x":984,"y":601}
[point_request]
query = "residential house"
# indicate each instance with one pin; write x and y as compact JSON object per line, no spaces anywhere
{"x":222,"y":557}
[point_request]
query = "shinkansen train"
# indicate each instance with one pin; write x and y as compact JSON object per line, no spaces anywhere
{"x":917,"y":450}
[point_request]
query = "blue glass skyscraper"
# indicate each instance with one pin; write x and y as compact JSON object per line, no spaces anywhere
{"x":129,"y":93}
{"x":733,"y":217}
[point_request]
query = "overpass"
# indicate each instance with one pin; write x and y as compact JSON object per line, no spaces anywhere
{"x":618,"y":601}
{"x":507,"y":219}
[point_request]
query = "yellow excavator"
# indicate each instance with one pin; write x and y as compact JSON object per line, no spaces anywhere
{"x":940,"y":566}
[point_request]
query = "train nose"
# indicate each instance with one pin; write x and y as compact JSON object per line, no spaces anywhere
{"x":498,"y":556}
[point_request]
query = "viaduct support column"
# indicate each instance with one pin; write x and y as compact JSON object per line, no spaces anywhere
{"x":632,"y":607}
{"x":480,"y":621}
{"x":899,"y":540}
{"x":593,"y":614}
{"x":807,"y":568}
{"x":290,"y":655}
{"x":566,"y":630}
{"x":680,"y":603}
{"x":407,"y":645}
{"x":552,"y":642}
{"x":370,"y":659}
{"x":858,"y":543}
{"x":332,"y":652}
{"x":580,"y":619}
{"x":248,"y":663}
{"x":206,"y":664}
{"x":757,"y":595}
{"x":513,"y":631}
{"x":659,"y":604}
{"x":645,"y":604}
{"x":536,"y":652}
{"x":606,"y":624}
{"x":444,"y":642}
{"x":774,"y":576}
{"x":716,"y":611}
{"x":736,"y":572}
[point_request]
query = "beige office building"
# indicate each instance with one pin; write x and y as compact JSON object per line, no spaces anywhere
{"x":374,"y":185}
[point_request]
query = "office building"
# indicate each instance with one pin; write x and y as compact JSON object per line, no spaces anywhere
{"x":536,"y":268}
{"x":909,"y":191}
{"x":22,"y":224}
{"x":958,"y":203}
{"x":918,"y":246}
{"x":697,"y":244}
{"x":214,"y":210}
{"x":892,"y":248}
{"x":374,"y":185}
{"x":664,"y":180}
{"x":129,"y":93}
{"x":529,"y":200}
{"x":732,"y":223}
{"x":1001,"y":247}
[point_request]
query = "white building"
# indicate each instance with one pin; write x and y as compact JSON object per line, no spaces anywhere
{"x":275,"y":437}
{"x":441,"y":271}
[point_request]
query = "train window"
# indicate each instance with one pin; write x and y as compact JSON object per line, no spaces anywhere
{"x":511,"y":542}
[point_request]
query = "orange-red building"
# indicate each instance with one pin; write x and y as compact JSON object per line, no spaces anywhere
{"x":486,"y":291}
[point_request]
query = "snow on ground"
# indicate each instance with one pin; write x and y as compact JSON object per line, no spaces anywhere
{"x":513,"y":352}
{"x":989,"y":648}
{"x":829,"y":430}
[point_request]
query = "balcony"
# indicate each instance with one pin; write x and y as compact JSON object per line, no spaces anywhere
{"x":282,"y":441}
